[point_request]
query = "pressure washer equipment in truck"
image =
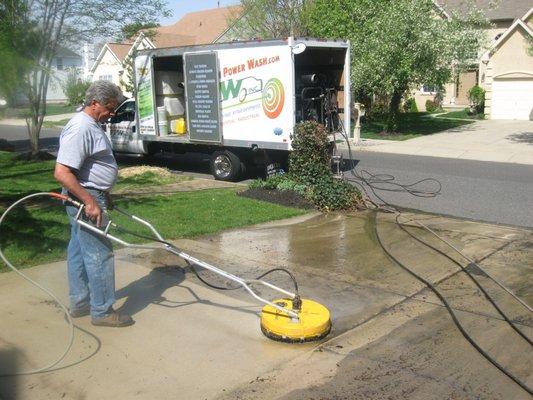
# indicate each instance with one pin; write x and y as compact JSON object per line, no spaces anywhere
{"x":287,"y":319}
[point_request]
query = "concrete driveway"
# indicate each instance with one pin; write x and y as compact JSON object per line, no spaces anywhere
{"x":486,"y":140}
{"x":391,"y":337}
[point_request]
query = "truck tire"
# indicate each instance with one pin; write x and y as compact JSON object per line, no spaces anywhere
{"x":226,"y":166}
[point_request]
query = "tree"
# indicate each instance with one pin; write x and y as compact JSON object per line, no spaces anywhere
{"x":15,"y":46}
{"x":398,"y":44}
{"x":75,"y":87}
{"x":269,"y":19}
{"x":126,"y":80}
{"x":130,"y":31}
{"x":67,"y":23}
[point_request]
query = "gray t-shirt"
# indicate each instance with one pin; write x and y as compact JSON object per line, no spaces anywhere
{"x":84,"y":147}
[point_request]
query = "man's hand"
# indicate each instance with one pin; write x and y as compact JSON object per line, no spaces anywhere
{"x":93,"y":211}
{"x":67,"y":179}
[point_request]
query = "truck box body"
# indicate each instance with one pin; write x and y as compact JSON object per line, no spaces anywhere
{"x":241,"y":96}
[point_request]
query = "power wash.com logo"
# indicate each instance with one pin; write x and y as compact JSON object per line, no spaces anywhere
{"x":251,"y":90}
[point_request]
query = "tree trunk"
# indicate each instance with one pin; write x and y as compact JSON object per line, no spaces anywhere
{"x":392,"y":124}
{"x":34,"y":124}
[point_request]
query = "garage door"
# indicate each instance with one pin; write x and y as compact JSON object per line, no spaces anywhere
{"x":512,"y":99}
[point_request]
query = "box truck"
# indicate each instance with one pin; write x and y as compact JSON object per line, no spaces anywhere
{"x":237,"y":102}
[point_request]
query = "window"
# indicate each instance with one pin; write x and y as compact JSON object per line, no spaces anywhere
{"x":126,"y":112}
{"x":106,"y":77}
{"x":59,"y":64}
{"x":429,"y":89}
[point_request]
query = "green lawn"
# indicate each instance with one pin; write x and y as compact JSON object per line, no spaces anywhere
{"x":55,"y":124}
{"x":148,"y":178}
{"x":51,"y":109}
{"x":411,"y":125}
{"x":20,"y":178}
{"x":461,"y":114}
{"x":39,"y":232}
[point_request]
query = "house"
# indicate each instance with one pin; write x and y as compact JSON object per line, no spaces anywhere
{"x":109,"y":62}
{"x":507,"y":72}
{"x":201,"y":27}
{"x":65,"y":61}
{"x":503,"y":16}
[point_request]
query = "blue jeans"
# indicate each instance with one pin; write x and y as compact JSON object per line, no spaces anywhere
{"x":90,"y":264}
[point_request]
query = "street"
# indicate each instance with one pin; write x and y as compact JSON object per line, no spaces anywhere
{"x":478,"y":190}
{"x":484,"y":191}
{"x":18,"y":136}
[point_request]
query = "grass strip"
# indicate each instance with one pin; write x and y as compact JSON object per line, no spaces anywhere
{"x":39,"y":234}
{"x":38,"y":231}
{"x":55,"y":124}
{"x":51,"y":109}
{"x":411,"y":125}
{"x":461,"y":114}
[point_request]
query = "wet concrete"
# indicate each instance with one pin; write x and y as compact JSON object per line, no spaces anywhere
{"x":391,"y":337}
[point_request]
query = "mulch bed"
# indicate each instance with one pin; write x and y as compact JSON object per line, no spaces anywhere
{"x":6,"y":146}
{"x":286,"y":198}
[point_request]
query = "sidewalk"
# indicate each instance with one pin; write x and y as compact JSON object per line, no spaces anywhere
{"x":391,"y":337}
{"x":22,"y":122}
{"x":486,"y":140}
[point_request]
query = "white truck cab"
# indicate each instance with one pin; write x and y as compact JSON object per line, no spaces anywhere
{"x":122,"y":130}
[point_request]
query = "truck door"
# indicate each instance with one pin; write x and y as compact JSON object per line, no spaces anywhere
{"x":202,"y":97}
{"x":123,"y":132}
{"x":145,"y":95}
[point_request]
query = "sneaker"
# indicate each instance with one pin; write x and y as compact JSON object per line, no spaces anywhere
{"x":79,"y":312}
{"x":113,"y":319}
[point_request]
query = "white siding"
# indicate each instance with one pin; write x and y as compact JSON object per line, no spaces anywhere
{"x":108,"y":68}
{"x":57,"y":77}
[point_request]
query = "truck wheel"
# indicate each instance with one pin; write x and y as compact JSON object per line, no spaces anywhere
{"x":226,"y":166}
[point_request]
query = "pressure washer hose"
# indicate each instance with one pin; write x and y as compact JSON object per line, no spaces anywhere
{"x":386,"y":207}
{"x":296,"y":301}
{"x":48,"y":292}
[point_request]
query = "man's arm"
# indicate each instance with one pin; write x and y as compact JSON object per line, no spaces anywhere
{"x":68,"y":180}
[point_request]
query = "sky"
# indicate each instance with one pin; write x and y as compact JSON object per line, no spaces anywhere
{"x":181,"y":7}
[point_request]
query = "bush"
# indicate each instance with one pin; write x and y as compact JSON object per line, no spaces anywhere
{"x":476,"y":95}
{"x":256,"y":184}
{"x":310,"y":159}
{"x":310,"y":172}
{"x":410,"y":105}
{"x":377,"y":111}
{"x":75,"y":88}
{"x":431,"y":106}
{"x":279,"y":182}
{"x":310,"y":167}
{"x":330,"y":194}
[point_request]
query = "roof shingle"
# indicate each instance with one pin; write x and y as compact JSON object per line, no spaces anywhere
{"x":199,"y":27}
{"x":120,"y":49}
{"x":502,"y":10}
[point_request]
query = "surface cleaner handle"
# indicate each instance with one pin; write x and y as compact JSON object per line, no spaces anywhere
{"x":105,"y":232}
{"x":243,"y":282}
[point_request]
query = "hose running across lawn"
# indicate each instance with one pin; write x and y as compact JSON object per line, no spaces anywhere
{"x":47,"y":291}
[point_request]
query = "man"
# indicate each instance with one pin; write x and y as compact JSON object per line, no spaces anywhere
{"x":87,"y":170}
